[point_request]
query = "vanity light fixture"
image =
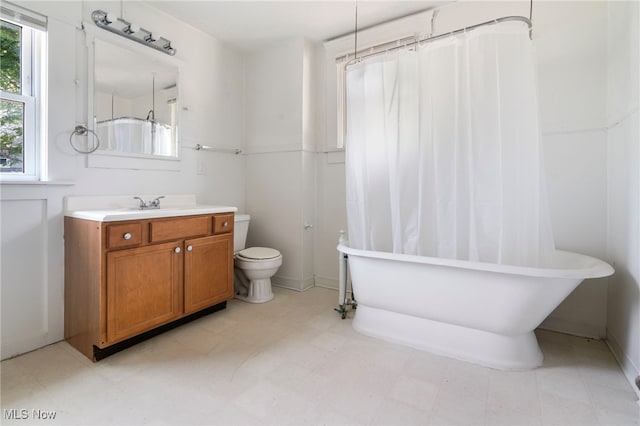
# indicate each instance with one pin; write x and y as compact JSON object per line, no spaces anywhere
{"x":116,"y":25}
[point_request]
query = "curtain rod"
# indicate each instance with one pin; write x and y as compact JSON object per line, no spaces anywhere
{"x":377,"y":24}
{"x":441,"y":36}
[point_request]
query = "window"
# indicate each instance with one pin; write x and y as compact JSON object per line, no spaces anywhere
{"x":21,"y":39}
{"x":340,"y":51}
{"x":341,"y":95}
{"x":341,"y":84}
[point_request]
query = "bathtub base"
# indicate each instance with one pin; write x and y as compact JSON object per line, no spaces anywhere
{"x":476,"y":346}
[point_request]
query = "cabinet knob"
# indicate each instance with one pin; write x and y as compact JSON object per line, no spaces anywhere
{"x":189,"y":248}
{"x":225,"y":224}
{"x":127,"y":236}
{"x":177,"y":250}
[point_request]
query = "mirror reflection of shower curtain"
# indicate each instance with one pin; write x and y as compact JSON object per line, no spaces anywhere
{"x":137,"y":136}
{"x":443,"y":154}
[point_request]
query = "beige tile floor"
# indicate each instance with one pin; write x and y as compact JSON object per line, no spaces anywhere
{"x":294,"y":361}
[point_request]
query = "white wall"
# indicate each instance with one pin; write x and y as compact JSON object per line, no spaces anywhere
{"x":571,"y":50}
{"x":210,"y":89}
{"x":331,"y":216}
{"x":280,"y":179}
{"x":274,"y":87}
{"x":623,"y":155}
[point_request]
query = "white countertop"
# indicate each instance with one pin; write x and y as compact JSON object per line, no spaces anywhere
{"x":133,"y":214}
{"x":119,"y":208}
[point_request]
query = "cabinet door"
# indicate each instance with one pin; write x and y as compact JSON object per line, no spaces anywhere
{"x":208,"y":271}
{"x":143,"y":289}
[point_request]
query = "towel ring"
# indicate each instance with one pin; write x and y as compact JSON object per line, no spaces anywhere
{"x":81,"y":130}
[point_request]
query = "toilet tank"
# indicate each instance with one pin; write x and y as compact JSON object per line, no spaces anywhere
{"x":240,"y":228}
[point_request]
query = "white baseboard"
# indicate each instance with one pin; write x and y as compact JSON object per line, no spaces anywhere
{"x":629,"y":369}
{"x":290,"y":284}
{"x":326,"y":282}
{"x":573,"y":328}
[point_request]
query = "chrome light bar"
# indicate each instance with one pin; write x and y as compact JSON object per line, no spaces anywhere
{"x":126,"y":29}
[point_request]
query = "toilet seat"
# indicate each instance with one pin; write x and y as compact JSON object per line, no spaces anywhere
{"x":258,"y":253}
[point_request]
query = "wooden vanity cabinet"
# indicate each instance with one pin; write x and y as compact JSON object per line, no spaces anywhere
{"x":143,"y":289}
{"x":124,"y":279}
{"x":208,"y":278}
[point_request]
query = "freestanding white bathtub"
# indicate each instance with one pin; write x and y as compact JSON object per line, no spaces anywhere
{"x":477,"y":312}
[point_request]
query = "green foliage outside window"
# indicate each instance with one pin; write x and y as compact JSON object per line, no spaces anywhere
{"x":11,"y":112}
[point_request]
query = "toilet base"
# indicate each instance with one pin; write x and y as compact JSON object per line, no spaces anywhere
{"x":257,"y":291}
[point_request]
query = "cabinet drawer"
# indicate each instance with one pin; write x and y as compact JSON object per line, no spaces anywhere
{"x":222,"y":223}
{"x":124,"y":235}
{"x":183,"y":227}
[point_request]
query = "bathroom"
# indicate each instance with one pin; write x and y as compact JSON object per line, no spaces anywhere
{"x":272,"y":98}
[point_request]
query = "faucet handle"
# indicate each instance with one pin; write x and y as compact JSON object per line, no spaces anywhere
{"x":156,"y":201}
{"x":143,"y":204}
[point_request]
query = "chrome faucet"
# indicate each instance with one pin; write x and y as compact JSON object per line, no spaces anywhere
{"x":144,"y":205}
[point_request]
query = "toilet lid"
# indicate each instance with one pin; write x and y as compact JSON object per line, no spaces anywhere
{"x":259,"y":253}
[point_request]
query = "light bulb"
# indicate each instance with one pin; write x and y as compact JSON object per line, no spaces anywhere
{"x":111,"y":18}
{"x":132,"y":28}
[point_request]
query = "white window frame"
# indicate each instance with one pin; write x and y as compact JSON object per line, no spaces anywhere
{"x":32,"y":96}
{"x":340,"y":50}
{"x":341,"y":102}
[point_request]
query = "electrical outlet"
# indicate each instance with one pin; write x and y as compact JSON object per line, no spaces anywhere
{"x":201,"y":168}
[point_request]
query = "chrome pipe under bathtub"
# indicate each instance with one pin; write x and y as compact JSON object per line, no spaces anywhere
{"x":343,"y":276}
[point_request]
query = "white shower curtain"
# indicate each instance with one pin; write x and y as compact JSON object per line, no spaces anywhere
{"x":443,"y":155}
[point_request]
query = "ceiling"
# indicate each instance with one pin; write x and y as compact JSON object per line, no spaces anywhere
{"x":250,"y":24}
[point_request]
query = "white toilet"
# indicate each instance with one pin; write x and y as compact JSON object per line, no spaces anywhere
{"x":254,"y":266}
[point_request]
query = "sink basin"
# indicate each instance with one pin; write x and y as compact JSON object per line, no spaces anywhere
{"x":114,"y":215}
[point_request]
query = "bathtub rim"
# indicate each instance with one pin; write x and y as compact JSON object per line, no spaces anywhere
{"x":592,"y":267}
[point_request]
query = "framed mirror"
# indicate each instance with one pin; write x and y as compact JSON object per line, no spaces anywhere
{"x":135,"y":103}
